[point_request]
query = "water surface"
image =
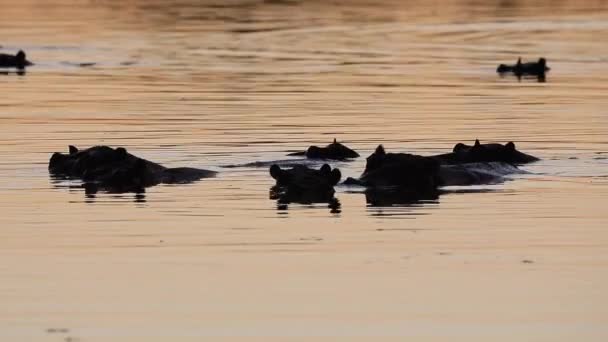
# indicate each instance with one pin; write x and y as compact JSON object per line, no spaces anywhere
{"x":209,"y":84}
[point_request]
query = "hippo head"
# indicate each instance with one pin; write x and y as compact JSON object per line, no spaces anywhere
{"x":334,"y":150}
{"x":375,"y":160}
{"x":304,"y":178}
{"x":62,"y":163}
{"x":315,"y":152}
{"x":341,"y":150}
{"x":77,"y":163}
{"x":506,"y":153}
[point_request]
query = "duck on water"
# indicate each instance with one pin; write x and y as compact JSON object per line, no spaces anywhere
{"x":520,"y":69}
{"x":18,"y":61}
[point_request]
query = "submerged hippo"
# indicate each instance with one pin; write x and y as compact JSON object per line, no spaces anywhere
{"x":421,"y":175}
{"x":302,"y":178}
{"x":484,"y":153}
{"x":399,"y":169}
{"x":521,"y":69}
{"x":301,"y":184}
{"x":333,"y":151}
{"x":17,"y":61}
{"x":116,"y":170}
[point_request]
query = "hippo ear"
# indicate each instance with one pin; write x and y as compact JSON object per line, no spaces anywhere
{"x":73,"y":149}
{"x":325,"y":169}
{"x":510,"y":146}
{"x":122,"y":152}
{"x":335,"y":141}
{"x":477,"y":143}
{"x":519,"y":61}
{"x":458,"y":147}
{"x":275,"y":171}
{"x":335,"y":176}
{"x":380,"y":150}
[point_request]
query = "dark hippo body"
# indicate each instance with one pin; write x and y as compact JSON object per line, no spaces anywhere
{"x":485,"y":153}
{"x":14,"y":61}
{"x":521,"y":69}
{"x":333,"y":151}
{"x":116,"y":170}
{"x":419,"y":175}
{"x":399,"y":169}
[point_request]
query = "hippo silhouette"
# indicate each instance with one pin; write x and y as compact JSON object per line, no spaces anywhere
{"x":333,"y":151}
{"x":303,"y":178}
{"x":301,"y":184}
{"x":116,"y":170}
{"x":520,"y":69}
{"x":399,"y":169}
{"x":484,"y":153}
{"x":17,"y":61}
{"x":420,"y":176}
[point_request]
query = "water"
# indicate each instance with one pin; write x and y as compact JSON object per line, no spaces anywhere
{"x":219,"y":83}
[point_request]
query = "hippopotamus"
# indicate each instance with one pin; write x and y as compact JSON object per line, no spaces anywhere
{"x":484,"y":153}
{"x":301,"y":184}
{"x":116,"y":170}
{"x":399,"y":169}
{"x":17,"y":61}
{"x":333,"y":151}
{"x":302,"y":178}
{"x":422,"y":175}
{"x":520,"y":69}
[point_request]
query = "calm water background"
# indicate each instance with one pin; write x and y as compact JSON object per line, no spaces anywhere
{"x":207,"y":84}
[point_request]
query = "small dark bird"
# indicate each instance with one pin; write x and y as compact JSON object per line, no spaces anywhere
{"x":17,"y":61}
{"x":520,"y":69}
